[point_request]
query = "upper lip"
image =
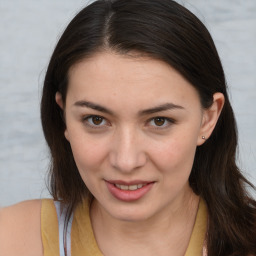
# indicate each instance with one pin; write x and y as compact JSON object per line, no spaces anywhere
{"x":129,"y":183}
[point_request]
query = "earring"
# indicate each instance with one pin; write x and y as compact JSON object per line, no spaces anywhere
{"x":203,"y":137}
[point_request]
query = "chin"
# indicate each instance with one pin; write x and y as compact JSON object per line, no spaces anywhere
{"x":131,"y":218}
{"x":130,"y":214}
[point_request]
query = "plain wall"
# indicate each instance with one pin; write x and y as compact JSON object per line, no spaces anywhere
{"x":28,"y":33}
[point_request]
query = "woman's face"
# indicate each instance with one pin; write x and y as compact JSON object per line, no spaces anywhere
{"x":133,"y":125}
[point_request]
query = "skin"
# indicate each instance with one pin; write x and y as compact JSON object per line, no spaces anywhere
{"x":20,"y":232}
{"x":128,"y":143}
{"x":123,"y":140}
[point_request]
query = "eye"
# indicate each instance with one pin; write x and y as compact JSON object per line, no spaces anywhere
{"x":161,"y":122}
{"x":95,"y":121}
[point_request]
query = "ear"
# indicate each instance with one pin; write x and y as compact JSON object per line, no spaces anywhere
{"x":59,"y":101}
{"x":210,"y":117}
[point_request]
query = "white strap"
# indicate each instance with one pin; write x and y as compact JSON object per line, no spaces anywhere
{"x":61,"y":213}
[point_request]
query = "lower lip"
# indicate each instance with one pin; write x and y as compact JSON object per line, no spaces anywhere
{"x":128,"y":195}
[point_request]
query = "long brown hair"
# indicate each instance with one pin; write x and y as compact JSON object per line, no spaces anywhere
{"x":164,"y":30}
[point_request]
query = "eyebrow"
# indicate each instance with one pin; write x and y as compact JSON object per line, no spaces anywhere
{"x":88,"y":104}
{"x":160,"y":108}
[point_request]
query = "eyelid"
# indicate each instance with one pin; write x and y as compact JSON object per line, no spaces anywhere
{"x":87,"y":123}
{"x":170,"y":121}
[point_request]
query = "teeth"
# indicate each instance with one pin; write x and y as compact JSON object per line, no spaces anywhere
{"x":131,"y":187}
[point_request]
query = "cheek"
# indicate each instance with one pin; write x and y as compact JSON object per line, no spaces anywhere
{"x":176,"y":155}
{"x":175,"y":163}
{"x":88,"y":153}
{"x":89,"y":157}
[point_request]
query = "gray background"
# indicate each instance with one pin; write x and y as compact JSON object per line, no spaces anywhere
{"x":29,"y":30}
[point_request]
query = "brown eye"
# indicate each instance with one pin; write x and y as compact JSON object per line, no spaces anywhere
{"x":159,"y":121}
{"x":97,"y":120}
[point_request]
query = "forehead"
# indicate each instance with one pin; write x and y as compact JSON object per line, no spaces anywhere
{"x":109,"y":76}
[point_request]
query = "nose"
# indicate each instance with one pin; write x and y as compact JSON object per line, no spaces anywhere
{"x":127,"y":151}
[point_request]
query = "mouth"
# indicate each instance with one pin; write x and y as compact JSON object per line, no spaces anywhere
{"x":130,"y":187}
{"x":129,"y":191}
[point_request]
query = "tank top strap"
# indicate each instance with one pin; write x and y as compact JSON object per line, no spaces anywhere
{"x":64,"y":237}
{"x":53,"y":216}
{"x":197,"y":244}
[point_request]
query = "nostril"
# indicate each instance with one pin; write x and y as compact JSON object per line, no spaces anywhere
{"x":128,"y":163}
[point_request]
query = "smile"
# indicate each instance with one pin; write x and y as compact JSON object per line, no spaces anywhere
{"x":129,"y":191}
{"x":130,"y":187}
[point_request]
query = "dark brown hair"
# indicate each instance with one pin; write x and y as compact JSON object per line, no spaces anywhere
{"x":164,"y":30}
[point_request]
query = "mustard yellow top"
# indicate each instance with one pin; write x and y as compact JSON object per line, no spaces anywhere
{"x":82,"y":238}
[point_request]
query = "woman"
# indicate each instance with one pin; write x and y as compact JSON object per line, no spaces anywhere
{"x":143,"y":142}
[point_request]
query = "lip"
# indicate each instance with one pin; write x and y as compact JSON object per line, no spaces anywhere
{"x":128,"y":183}
{"x":128,"y":195}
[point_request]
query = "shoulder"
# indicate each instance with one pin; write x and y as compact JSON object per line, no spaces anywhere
{"x":20,"y":229}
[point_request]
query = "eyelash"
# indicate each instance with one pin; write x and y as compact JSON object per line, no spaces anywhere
{"x":91,"y":125}
{"x":167,"y":122}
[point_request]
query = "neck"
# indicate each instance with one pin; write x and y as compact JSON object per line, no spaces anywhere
{"x":174,"y":225}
